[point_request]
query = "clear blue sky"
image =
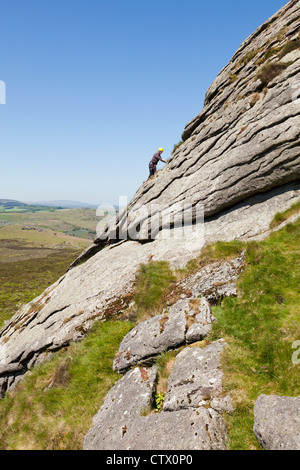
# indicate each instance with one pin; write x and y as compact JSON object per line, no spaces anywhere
{"x":94,"y":87}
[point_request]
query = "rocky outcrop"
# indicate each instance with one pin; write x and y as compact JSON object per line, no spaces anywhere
{"x":277,"y":422}
{"x":188,"y":419}
{"x":196,"y":380}
{"x":215,"y":280}
{"x":187,"y":321}
{"x":239,"y":162}
{"x":191,"y":416}
{"x":246,"y":139}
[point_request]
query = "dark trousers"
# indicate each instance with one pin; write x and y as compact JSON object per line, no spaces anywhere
{"x":152,"y":169}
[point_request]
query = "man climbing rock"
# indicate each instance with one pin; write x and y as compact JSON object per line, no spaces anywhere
{"x":153,"y":163}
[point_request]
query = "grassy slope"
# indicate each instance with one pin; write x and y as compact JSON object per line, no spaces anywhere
{"x":52,"y":408}
{"x":260,"y":327}
{"x":54,"y":405}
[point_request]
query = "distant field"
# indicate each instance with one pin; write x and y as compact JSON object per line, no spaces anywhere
{"x":35,"y":251}
{"x":18,"y":244}
{"x":78,"y":222}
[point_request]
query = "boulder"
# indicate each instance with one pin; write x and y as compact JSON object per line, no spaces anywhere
{"x":124,"y":403}
{"x":215,"y":280}
{"x":196,"y":380}
{"x":193,"y":429}
{"x":186,"y":321}
{"x":125,"y":420}
{"x":277,"y":422}
{"x":244,"y":142}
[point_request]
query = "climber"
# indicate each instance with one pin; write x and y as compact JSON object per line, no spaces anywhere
{"x":155,"y":159}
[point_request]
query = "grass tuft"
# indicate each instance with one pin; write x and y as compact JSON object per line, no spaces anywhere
{"x":210,"y":253}
{"x":153,"y":283}
{"x":270,"y":71}
{"x":176,"y":146}
{"x":281,"y":217}
{"x":289,"y":47}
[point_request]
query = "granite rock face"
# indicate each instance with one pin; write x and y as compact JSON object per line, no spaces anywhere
{"x":125,"y":422}
{"x":196,"y":380}
{"x":215,"y":280}
{"x":277,"y":422}
{"x":239,"y":163}
{"x":245,"y":141}
{"x":187,"y":321}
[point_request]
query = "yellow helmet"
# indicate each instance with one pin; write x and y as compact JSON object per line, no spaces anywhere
{"x":160,"y":149}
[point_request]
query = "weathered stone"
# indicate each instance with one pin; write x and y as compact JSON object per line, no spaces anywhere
{"x":193,"y":429}
{"x":198,"y":320}
{"x":216,"y":280}
{"x":244,"y":142}
{"x":250,"y":219}
{"x":240,"y":159}
{"x":277,"y":422}
{"x":132,"y":394}
{"x":120,"y":424}
{"x":196,"y":379}
{"x":186,"y":321}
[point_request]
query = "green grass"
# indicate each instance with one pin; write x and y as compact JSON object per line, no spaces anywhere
{"x":26,"y":208}
{"x":153,"y":283}
{"x":210,"y":253}
{"x":37,"y":238}
{"x":283,"y":216}
{"x":52,"y":408}
{"x":248,"y":57}
{"x":260,"y":326}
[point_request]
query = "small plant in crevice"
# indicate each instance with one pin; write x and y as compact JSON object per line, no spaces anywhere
{"x":233,"y":78}
{"x":289,"y":47}
{"x":159,"y":401}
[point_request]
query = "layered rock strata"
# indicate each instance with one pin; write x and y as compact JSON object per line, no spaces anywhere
{"x":239,"y":162}
{"x":245,"y":141}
